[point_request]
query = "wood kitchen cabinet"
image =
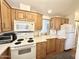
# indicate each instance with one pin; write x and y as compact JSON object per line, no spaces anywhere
{"x":41,"y":50}
{"x":50,"y":45}
{"x":6,"y":54}
{"x":0,"y":25}
{"x":55,"y":45}
{"x":28,"y":16}
{"x":20,"y":15}
{"x":38,"y":22}
{"x":5,"y":16}
{"x":60,"y":45}
{"x":64,"y":21}
{"x":36,"y":17}
{"x":0,"y":16}
{"x":57,"y":21}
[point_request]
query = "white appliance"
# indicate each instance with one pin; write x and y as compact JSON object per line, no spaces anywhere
{"x":24,"y":52}
{"x":61,"y":34}
{"x":22,"y":48}
{"x":22,"y":25}
{"x":70,"y":35}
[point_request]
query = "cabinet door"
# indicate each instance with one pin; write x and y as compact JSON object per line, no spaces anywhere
{"x":41,"y":50}
{"x":20,"y":15}
{"x":13,"y":11}
{"x":0,"y":25}
{"x":65,"y":21}
{"x":60,"y":45}
{"x":37,"y":18}
{"x":6,"y":16}
{"x":56,"y":23}
{"x":50,"y":46}
{"x":38,"y":22}
{"x":30,"y":16}
{"x":43,"y":46}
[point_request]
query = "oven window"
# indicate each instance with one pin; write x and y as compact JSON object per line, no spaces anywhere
{"x":23,"y":51}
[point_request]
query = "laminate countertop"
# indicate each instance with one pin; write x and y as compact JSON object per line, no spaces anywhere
{"x":3,"y":47}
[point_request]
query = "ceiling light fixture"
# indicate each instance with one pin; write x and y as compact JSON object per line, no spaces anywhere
{"x":49,"y":11}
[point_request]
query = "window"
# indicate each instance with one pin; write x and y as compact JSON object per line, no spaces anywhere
{"x":45,"y":26}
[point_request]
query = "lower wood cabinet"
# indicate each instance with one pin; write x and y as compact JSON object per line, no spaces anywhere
{"x":60,"y":45}
{"x":41,"y":50}
{"x":50,"y":45}
{"x":6,"y":54}
{"x":55,"y":46}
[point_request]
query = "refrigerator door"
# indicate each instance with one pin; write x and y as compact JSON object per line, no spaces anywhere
{"x":70,"y":41}
{"x":68,"y":28}
{"x":61,"y":34}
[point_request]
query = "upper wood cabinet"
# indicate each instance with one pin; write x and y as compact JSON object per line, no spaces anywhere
{"x":38,"y":23}
{"x":36,"y":17}
{"x":64,"y":21}
{"x":20,"y":15}
{"x":5,"y":16}
{"x":56,"y":22}
{"x":0,"y":27}
{"x":28,"y":16}
{"x":0,"y":24}
{"x":0,"y":16}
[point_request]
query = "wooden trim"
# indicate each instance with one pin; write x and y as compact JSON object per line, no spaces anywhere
{"x":28,"y":11}
{"x":7,"y":3}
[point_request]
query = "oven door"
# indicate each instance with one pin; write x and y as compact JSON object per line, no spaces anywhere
{"x":24,"y":52}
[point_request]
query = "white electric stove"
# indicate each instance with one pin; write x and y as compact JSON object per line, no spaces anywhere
{"x":24,"y":47}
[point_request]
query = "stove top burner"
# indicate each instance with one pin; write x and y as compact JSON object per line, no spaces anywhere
{"x":20,"y":39}
{"x":30,"y":40}
{"x":17,"y":43}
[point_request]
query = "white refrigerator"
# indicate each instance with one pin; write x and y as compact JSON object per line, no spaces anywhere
{"x":70,"y":36}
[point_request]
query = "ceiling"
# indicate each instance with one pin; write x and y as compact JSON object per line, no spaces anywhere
{"x":58,"y":7}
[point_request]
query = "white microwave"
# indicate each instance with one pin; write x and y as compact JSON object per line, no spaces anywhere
{"x":22,"y":25}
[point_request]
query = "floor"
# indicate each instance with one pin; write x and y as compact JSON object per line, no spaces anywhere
{"x":69,"y":54}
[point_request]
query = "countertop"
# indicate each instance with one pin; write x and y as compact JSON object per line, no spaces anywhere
{"x":43,"y":38}
{"x":3,"y":47}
